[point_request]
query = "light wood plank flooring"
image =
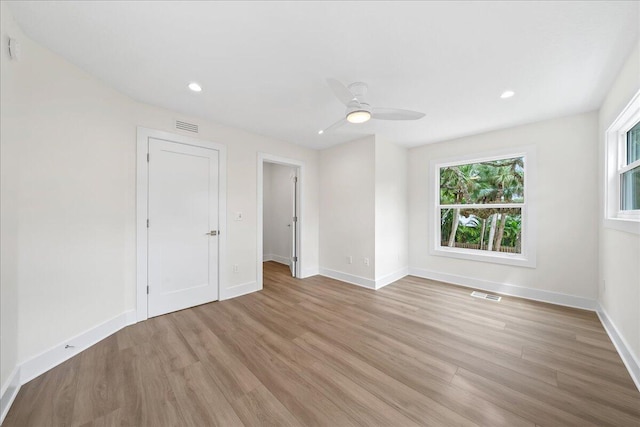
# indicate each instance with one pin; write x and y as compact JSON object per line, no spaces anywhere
{"x":320,"y":352}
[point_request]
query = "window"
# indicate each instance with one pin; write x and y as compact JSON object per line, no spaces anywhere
{"x":622,"y":185}
{"x":481,"y":208}
{"x":630,"y":171}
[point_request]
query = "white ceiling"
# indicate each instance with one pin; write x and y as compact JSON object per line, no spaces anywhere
{"x":263,"y":65}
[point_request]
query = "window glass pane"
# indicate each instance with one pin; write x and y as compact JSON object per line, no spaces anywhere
{"x":633,"y":144}
{"x":486,"y":229}
{"x":630,"y":189}
{"x":496,"y":181}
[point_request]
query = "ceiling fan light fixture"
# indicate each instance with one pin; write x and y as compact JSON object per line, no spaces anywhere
{"x":358,"y":116}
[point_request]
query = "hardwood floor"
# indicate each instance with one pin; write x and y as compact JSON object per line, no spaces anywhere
{"x":320,"y":352}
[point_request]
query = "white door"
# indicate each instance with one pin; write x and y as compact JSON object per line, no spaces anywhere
{"x":183,"y":226}
{"x":294,"y":229}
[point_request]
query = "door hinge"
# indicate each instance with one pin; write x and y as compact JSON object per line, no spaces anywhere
{"x":295,"y":219}
{"x":147,"y":223}
{"x":295,"y":259}
{"x":147,"y":157}
{"x":295,"y":179}
{"x":147,"y":289}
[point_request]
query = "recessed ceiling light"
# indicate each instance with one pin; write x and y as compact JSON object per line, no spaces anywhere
{"x":507,"y":94}
{"x":320,"y":132}
{"x":195,"y":87}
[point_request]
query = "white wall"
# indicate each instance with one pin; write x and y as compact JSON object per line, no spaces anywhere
{"x":277,"y":212}
{"x":391,"y":209}
{"x":8,"y":203}
{"x":619,"y":251}
{"x":347,"y":208}
{"x":363,"y":212}
{"x":566,"y":201}
{"x":70,"y":144}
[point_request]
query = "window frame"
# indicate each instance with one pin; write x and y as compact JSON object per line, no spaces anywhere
{"x":615,"y":158}
{"x":527,"y":257}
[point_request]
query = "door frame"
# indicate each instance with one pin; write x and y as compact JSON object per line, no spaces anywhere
{"x":142,"y":205}
{"x":299,"y":165}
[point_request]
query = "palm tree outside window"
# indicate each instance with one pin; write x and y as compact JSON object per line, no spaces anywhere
{"x":481,"y":205}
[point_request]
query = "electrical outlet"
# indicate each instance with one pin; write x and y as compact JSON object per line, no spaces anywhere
{"x":349,"y":259}
{"x":366,"y":261}
{"x":236,"y":269}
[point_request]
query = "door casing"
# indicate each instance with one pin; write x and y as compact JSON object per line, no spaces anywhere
{"x":270,"y":158}
{"x":142,"y":200}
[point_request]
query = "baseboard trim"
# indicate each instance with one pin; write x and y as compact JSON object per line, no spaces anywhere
{"x":277,"y":258}
{"x":392,"y":277}
{"x":10,"y":390}
{"x":238,"y":290}
{"x":624,"y":350}
{"x":57,"y":354}
{"x":348,"y":278}
{"x":507,"y":289}
{"x":309,"y":272}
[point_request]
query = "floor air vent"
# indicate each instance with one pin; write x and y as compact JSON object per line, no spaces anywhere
{"x":482,"y":295}
{"x":189,"y":127}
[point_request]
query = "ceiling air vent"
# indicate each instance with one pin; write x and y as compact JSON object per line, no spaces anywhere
{"x":189,"y":127}
{"x":482,"y":295}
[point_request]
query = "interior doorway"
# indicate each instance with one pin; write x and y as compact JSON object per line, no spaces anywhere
{"x":279,"y":213}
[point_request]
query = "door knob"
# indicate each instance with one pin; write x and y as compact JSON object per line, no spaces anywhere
{"x":212,"y":233}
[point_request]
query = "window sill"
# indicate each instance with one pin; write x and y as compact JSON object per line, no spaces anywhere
{"x":623,"y":224}
{"x":518,"y":260}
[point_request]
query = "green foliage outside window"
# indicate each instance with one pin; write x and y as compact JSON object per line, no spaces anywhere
{"x":480,"y":185}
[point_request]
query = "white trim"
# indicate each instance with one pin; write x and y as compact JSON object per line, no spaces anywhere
{"x":142,"y":196}
{"x":271,"y":158}
{"x":621,"y":224}
{"x":624,"y":350}
{"x":507,"y":289}
{"x":614,"y":150}
{"x":14,"y":378}
{"x":238,"y":290}
{"x":481,"y":205}
{"x":363,"y":281}
{"x":130,"y":317}
{"x":528,"y":256}
{"x":391,"y":277}
{"x":348,"y":278}
{"x":309,"y":272}
{"x":10,"y":390}
{"x":57,"y":354}
{"x":276,"y":258}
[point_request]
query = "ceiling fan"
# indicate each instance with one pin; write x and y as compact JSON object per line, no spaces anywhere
{"x":358,"y":108}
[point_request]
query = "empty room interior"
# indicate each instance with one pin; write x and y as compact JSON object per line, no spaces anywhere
{"x":320,"y":213}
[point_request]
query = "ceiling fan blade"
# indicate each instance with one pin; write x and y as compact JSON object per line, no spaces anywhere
{"x":340,"y":91}
{"x":395,"y":114}
{"x":334,"y":126}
